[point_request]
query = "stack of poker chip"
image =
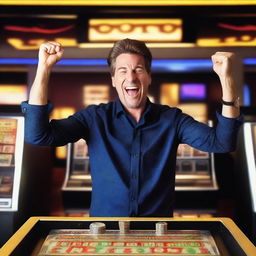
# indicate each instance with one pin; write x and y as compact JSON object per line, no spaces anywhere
{"x":97,"y":228}
{"x":124,"y":227}
{"x":161,"y":228}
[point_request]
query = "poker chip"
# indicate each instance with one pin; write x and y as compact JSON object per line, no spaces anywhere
{"x":161,"y":228}
{"x":97,"y":228}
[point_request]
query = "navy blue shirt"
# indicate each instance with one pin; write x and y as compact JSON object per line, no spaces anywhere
{"x":132,"y":164}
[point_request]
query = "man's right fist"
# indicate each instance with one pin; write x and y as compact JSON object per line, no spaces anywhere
{"x":50,"y":53}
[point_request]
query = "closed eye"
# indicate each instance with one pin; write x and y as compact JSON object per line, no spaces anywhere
{"x":122,"y":70}
{"x":139,"y":70}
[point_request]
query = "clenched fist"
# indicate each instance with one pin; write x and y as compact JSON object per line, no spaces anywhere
{"x":222,"y":63}
{"x":50,"y":53}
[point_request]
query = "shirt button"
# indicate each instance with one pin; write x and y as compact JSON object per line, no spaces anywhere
{"x":134,"y":176}
{"x":135,"y":155}
{"x":24,"y":109}
{"x":133,"y":198}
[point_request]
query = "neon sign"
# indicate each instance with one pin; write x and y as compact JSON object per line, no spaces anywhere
{"x":150,"y":30}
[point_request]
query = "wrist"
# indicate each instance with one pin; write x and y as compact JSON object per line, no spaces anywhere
{"x":44,"y":66}
{"x":233,"y":103}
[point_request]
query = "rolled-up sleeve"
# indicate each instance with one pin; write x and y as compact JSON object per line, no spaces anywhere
{"x":219,"y":139}
{"x":40,"y":131}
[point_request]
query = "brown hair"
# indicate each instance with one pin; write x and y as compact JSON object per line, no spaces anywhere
{"x":129,"y":46}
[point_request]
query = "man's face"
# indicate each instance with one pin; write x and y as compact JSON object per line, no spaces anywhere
{"x":131,"y":80}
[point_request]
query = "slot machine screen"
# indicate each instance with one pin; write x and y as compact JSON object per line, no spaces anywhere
{"x":11,"y":151}
{"x":78,"y":168}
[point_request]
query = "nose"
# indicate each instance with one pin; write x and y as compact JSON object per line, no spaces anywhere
{"x":131,"y":75}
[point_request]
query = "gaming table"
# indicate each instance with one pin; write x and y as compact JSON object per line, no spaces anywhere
{"x":128,"y":236}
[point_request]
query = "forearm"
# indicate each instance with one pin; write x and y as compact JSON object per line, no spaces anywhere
{"x":49,"y":54}
{"x":39,"y":131}
{"x":220,"y":138}
{"x":39,"y":90}
{"x":229,"y":94}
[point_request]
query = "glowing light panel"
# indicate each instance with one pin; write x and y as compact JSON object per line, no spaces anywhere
{"x":150,"y":30}
{"x":95,"y":94}
{"x":190,"y":91}
{"x":12,"y":94}
{"x":175,"y":65}
{"x":169,"y":94}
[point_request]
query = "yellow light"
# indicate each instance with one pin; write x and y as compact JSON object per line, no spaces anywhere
{"x":127,"y":2}
{"x":68,"y":42}
{"x":169,"y":94}
{"x":12,"y":94}
{"x":245,"y":40}
{"x":62,"y":112}
{"x":196,"y":110}
{"x":95,"y":94}
{"x":150,"y":30}
{"x":34,"y":44}
{"x":19,"y":44}
{"x":150,"y":45}
{"x":61,"y":152}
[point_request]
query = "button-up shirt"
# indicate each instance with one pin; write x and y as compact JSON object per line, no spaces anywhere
{"x":132,"y":164}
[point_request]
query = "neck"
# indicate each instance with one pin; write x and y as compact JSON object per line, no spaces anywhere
{"x":135,"y":114}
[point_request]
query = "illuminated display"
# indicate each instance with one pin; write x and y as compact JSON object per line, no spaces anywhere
{"x":130,"y":2}
{"x":169,"y":94}
{"x":227,"y":32}
{"x":62,"y":112}
{"x":150,"y":30}
{"x":192,"y":91}
{"x":12,"y":94}
{"x":11,"y":148}
{"x":33,"y":44}
{"x":245,"y":40}
{"x":196,"y":110}
{"x":29,"y":33}
{"x":95,"y":94}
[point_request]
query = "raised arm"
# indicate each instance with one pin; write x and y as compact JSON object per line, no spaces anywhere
{"x":49,"y":54}
{"x":222,"y":65}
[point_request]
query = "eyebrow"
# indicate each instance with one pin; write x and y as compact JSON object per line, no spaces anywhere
{"x":121,"y":68}
{"x":138,"y":66}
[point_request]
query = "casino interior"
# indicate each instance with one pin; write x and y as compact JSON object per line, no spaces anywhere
{"x":182,"y":36}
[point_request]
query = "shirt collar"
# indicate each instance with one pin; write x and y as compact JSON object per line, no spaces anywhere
{"x":119,"y":108}
{"x":150,"y":113}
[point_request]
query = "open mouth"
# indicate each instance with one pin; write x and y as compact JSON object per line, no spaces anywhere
{"x":132,"y":90}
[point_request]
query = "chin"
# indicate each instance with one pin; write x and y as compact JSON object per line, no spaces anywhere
{"x":134,"y":106}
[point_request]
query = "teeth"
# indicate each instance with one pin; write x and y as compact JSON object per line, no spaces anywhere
{"x":131,"y":88}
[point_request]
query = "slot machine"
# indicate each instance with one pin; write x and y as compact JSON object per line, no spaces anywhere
{"x":196,"y":184}
{"x":11,"y":155}
{"x":76,"y":189}
{"x":245,"y":174}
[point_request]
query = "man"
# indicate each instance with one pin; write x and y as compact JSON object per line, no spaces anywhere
{"x":132,"y":142}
